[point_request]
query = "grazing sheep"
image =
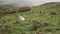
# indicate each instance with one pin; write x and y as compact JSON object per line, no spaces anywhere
{"x":21,"y":18}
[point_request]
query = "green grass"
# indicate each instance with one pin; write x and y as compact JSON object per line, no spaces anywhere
{"x":47,"y":14}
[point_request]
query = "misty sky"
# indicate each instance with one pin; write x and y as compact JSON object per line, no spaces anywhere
{"x":25,"y":2}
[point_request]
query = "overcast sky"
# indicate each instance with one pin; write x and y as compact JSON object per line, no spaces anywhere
{"x":25,"y":2}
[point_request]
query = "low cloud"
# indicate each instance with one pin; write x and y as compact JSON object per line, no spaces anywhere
{"x":25,"y":2}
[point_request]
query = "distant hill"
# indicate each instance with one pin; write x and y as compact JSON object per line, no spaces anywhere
{"x":52,"y":4}
{"x":6,"y":9}
{"x":52,"y":7}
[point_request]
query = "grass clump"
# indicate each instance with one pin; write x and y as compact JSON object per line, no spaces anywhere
{"x":5,"y":31}
{"x":36,"y":25}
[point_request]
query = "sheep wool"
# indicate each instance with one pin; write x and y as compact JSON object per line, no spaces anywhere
{"x":21,"y":18}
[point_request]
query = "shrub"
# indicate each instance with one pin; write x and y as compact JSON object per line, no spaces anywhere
{"x":36,"y":25}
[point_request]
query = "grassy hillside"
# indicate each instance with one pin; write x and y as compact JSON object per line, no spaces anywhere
{"x":44,"y":19}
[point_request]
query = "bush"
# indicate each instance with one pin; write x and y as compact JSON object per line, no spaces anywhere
{"x":36,"y":25}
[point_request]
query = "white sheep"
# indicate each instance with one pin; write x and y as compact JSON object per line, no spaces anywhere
{"x":21,"y":18}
